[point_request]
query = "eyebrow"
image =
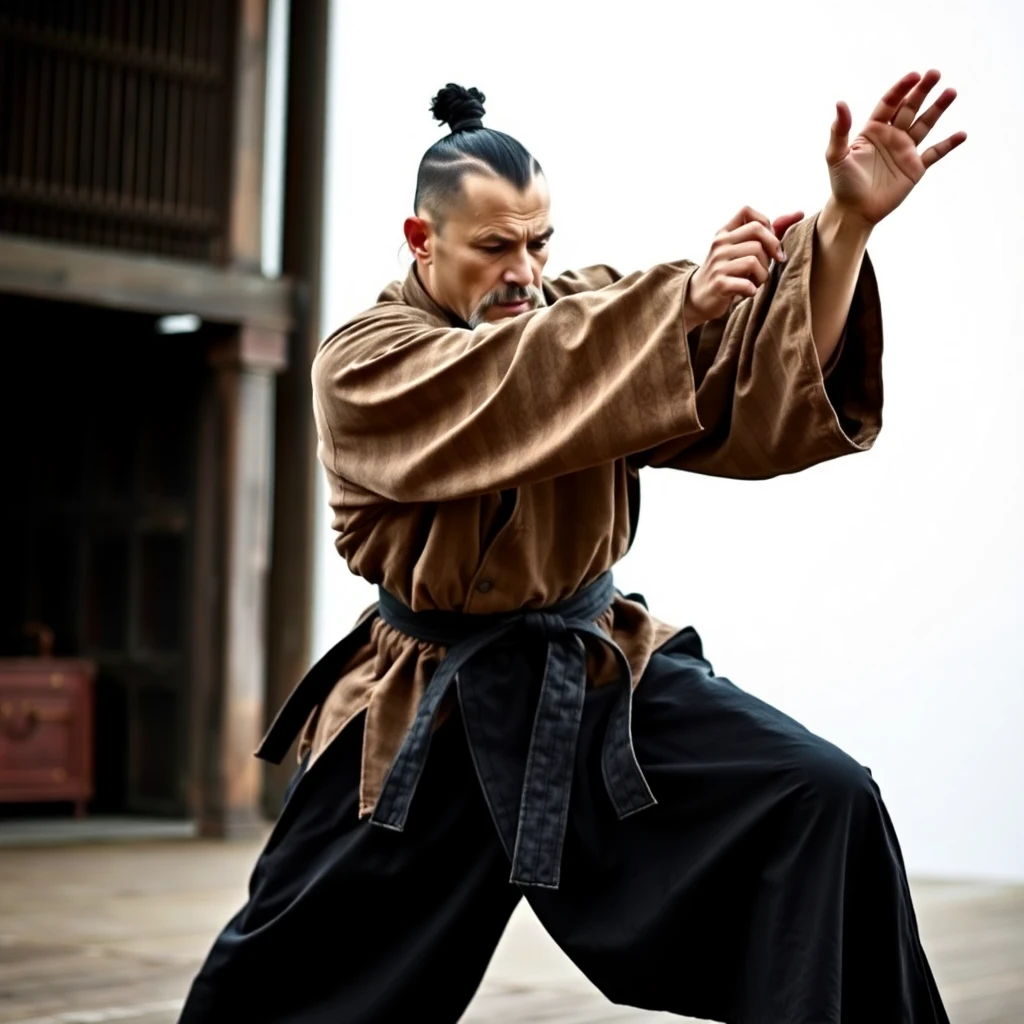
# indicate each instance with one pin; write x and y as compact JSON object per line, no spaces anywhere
{"x":494,"y":238}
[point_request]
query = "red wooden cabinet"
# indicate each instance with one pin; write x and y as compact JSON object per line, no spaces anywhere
{"x":46,"y":730}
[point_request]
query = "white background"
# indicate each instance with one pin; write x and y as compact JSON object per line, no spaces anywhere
{"x":878,"y":598}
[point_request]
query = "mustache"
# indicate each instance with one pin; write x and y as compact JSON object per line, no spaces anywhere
{"x":504,"y":296}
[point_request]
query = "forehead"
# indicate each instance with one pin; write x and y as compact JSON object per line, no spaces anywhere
{"x":489,"y":202}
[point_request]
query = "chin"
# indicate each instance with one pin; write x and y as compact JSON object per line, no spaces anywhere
{"x":495,"y":314}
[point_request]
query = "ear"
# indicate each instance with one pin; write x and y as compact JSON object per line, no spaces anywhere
{"x":419,"y":237}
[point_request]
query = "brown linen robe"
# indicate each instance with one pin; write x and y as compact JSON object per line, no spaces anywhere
{"x":495,"y":469}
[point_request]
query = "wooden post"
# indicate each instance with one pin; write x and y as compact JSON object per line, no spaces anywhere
{"x":236,"y":477}
{"x":246,"y":181}
{"x":291,"y":587}
{"x":236,"y":462}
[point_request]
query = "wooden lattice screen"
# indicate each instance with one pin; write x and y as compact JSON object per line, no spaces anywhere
{"x":114,"y":123}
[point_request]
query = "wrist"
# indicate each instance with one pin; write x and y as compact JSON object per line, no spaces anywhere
{"x":693,"y":317}
{"x":838,"y":225}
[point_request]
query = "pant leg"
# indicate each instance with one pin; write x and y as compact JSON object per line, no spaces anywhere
{"x":346,"y":921}
{"x":767,"y":885}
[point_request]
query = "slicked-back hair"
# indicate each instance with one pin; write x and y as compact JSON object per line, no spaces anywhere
{"x":470,"y":147}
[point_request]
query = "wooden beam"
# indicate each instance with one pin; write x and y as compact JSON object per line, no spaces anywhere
{"x":239,"y":430}
{"x":143,"y":284}
{"x":291,"y":581}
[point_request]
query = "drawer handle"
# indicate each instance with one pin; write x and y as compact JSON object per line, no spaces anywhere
{"x":19,"y":724}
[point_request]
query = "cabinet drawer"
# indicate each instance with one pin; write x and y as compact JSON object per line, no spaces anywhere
{"x":37,"y":740}
{"x":45,"y":733}
{"x":14,"y":682}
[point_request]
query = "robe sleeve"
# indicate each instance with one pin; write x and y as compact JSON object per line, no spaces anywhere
{"x":573,"y":282}
{"x":765,"y":405}
{"x":415,"y":410}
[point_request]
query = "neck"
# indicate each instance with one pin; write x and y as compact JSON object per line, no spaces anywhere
{"x":422,"y":277}
{"x":424,"y":282}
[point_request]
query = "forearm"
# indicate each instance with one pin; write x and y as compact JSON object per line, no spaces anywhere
{"x":760,"y":403}
{"x":840,"y":241}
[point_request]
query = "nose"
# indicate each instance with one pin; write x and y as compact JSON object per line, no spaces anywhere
{"x":519,"y":271}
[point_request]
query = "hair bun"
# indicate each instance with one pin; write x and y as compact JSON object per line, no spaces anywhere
{"x":459,"y":108}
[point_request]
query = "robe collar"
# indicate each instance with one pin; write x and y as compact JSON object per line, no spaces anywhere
{"x":415,"y":294}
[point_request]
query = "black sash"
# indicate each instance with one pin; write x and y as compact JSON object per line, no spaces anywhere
{"x":540,"y":832}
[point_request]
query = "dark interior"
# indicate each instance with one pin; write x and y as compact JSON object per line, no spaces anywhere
{"x":98,"y":428}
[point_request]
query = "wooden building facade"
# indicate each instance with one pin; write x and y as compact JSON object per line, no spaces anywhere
{"x":156,"y":442}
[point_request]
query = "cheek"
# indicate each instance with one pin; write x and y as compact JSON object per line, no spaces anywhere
{"x":490,"y":277}
{"x":465,"y":275}
{"x":539,"y":262}
{"x":477,"y":278}
{"x":484,"y":279}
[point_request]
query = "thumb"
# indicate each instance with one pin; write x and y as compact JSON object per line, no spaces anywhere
{"x":839,"y":139}
{"x":782,"y":224}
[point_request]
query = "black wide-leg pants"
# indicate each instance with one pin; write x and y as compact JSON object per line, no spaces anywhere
{"x":765,"y":887}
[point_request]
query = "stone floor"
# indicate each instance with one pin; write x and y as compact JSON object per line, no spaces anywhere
{"x":113,"y":932}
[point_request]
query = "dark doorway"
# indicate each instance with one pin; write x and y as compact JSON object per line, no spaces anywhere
{"x":98,"y":437}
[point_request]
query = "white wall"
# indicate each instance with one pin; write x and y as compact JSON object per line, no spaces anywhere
{"x":879,"y":598}
{"x":275,"y":126}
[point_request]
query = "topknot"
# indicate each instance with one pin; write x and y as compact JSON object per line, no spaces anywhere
{"x":460,"y":108}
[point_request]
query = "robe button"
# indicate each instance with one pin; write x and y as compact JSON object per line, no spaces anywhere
{"x":485,"y":586}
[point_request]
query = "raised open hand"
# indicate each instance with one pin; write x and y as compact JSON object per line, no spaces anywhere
{"x":874,"y":174}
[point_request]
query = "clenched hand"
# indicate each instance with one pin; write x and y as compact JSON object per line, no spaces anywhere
{"x":737,"y":265}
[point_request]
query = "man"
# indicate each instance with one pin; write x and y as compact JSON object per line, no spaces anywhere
{"x":503,"y":722}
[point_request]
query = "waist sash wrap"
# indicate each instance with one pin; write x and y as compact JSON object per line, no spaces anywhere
{"x":537,"y":836}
